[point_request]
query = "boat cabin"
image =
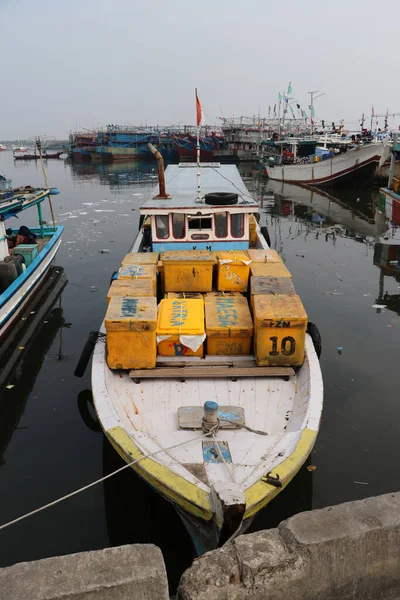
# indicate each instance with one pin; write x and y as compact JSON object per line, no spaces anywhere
{"x":216,"y":219}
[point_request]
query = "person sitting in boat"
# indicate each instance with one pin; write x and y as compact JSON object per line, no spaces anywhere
{"x":23,"y":236}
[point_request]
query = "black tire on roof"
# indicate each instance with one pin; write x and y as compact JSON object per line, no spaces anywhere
{"x":221,"y":198}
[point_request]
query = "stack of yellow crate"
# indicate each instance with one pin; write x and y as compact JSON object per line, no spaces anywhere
{"x":180,"y":327}
{"x":131,"y":333}
{"x":140,"y":258}
{"x":280,"y":324}
{"x":134,"y":288}
{"x":134,"y":281}
{"x":261,"y":255}
{"x":187,"y":270}
{"x":260,"y":286}
{"x":233,"y":270}
{"x":269,"y":269}
{"x":229,"y":326}
{"x":131,"y":273}
{"x":188,"y":295}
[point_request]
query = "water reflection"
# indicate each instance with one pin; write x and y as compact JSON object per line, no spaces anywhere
{"x":23,"y":353}
{"x":116,"y":175}
{"x":352,"y":213}
{"x":386,"y":258}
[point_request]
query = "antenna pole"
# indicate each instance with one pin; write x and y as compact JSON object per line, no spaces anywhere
{"x":39,"y":147}
{"x":198,"y":158}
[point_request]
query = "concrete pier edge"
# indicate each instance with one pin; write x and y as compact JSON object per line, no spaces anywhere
{"x":347,"y":551}
{"x":134,"y":571}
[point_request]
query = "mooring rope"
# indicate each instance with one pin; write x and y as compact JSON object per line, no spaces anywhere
{"x":206,"y":434}
{"x":97,"y":481}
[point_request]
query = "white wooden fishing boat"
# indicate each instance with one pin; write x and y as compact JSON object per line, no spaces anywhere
{"x":19,"y":282}
{"x":217,"y":476}
{"x":357,"y":164}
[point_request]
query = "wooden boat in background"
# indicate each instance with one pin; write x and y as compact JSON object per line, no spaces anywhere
{"x":356,"y":164}
{"x":268,"y":417}
{"x":32,"y":154}
{"x":19,"y":283}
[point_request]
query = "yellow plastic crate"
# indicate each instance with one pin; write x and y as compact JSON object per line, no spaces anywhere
{"x":269,"y":269}
{"x":188,"y":270}
{"x":140,"y":258}
{"x":280,"y":324}
{"x":131,"y":288}
{"x":270,"y":285}
{"x":229,"y":326}
{"x":258,"y":255}
{"x":180,"y":318}
{"x":131,"y":333}
{"x":135,"y":272}
{"x":188,"y":295}
{"x":233,"y":276}
{"x":252,"y":230}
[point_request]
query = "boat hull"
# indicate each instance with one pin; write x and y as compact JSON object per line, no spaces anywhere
{"x":355,"y":166}
{"x":191,"y":501}
{"x":80,"y":155}
{"x":17,"y":296}
{"x":119,"y":153}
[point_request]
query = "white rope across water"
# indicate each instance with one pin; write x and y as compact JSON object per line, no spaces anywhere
{"x":93,"y":483}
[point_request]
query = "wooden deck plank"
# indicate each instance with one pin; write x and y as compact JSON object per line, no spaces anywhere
{"x":202,"y":372}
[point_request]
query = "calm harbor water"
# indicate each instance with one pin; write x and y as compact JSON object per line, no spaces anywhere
{"x":46,"y":447}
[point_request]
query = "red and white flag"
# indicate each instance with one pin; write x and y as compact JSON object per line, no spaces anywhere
{"x":373,"y":112}
{"x":199,"y":111}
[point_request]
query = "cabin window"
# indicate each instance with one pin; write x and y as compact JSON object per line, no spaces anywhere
{"x":178,"y":226}
{"x":237,"y":225}
{"x":199,"y":222}
{"x":162,"y":227}
{"x":221,"y":225}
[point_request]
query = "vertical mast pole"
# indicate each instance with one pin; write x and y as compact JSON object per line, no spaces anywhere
{"x":198,"y":156}
{"x":39,"y":147}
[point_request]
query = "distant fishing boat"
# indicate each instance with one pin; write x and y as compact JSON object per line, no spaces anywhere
{"x":20,"y":277}
{"x":210,"y":146}
{"x":32,"y":154}
{"x":209,"y":421}
{"x":327,"y":167}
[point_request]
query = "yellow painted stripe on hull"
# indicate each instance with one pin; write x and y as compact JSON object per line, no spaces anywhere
{"x":194,"y":500}
{"x":180,"y":491}
{"x":260,"y":493}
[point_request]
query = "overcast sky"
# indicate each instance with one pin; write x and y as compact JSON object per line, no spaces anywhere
{"x":88,"y":63}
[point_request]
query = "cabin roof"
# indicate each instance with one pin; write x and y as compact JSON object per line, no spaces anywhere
{"x":181,"y":185}
{"x":9,"y":207}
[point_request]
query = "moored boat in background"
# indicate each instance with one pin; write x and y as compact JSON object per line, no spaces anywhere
{"x":33,"y":154}
{"x":23,"y":269}
{"x":358,"y":164}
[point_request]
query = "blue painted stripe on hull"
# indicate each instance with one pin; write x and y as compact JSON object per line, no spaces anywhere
{"x":26,"y":275}
{"x":213,"y":246}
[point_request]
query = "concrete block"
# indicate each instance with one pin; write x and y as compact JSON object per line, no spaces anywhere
{"x":348,"y":551}
{"x":123,"y":573}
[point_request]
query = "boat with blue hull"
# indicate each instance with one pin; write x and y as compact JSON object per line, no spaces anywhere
{"x":24,"y":267}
